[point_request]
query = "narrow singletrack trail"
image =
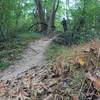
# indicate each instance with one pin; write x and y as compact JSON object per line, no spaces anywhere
{"x":32,"y":56}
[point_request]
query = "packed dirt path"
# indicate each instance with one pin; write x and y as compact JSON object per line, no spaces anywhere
{"x":32,"y":56}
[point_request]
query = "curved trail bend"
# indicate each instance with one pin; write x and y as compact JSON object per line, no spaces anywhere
{"x":32,"y":56}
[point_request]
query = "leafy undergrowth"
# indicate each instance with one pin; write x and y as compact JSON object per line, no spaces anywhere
{"x":77,"y":78}
{"x":80,"y":65}
{"x":11,"y":50}
{"x":30,"y":36}
{"x":55,"y":50}
{"x":71,"y":38}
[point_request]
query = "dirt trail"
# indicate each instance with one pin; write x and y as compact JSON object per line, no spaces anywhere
{"x":31,"y":57}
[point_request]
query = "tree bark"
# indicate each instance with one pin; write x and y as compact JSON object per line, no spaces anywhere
{"x":51,"y":24}
{"x":67,"y":15}
{"x":41,"y":17}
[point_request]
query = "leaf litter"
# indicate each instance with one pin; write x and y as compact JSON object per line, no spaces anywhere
{"x":59,"y":80}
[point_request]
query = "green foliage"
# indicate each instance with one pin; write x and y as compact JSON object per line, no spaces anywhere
{"x":84,"y":15}
{"x":68,"y":38}
{"x":53,"y":51}
{"x":30,"y":36}
{"x":14,"y":17}
{"x":9,"y":52}
{"x":4,"y":65}
{"x":71,"y":38}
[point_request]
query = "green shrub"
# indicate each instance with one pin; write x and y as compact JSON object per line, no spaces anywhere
{"x":72,"y":38}
{"x":4,"y":65}
{"x":68,"y":38}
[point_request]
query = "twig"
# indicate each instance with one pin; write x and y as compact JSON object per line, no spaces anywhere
{"x":34,"y":50}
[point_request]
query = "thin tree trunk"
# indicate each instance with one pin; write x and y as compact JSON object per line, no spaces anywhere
{"x":67,"y":15}
{"x":51,"y":24}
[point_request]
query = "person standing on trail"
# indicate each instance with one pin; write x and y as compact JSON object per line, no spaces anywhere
{"x":64,"y":23}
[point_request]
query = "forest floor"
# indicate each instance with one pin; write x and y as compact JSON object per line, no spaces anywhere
{"x":62,"y":78}
{"x":32,"y":56}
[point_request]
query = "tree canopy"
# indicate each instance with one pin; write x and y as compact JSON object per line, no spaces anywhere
{"x":45,"y":15}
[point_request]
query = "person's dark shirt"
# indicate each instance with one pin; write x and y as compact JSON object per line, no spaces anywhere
{"x":63,"y":22}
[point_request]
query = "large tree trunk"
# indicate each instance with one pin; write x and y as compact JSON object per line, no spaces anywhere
{"x":41,"y":17}
{"x":51,"y":24}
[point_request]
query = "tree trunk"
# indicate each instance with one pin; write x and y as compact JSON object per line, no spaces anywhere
{"x":51,"y":24}
{"x":67,"y":15}
{"x":41,"y":17}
